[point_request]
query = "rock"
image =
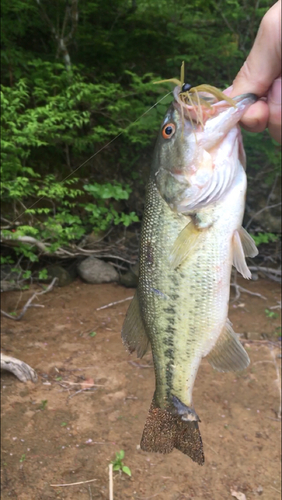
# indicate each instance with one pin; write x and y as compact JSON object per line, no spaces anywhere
{"x":8,"y":286}
{"x":64,"y":277}
{"x":10,"y":278}
{"x":9,"y":273}
{"x":130,"y":279}
{"x":72,"y":269}
{"x":252,"y":335}
{"x":94,"y":270}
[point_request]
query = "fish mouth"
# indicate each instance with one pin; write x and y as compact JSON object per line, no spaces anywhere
{"x":200,"y":106}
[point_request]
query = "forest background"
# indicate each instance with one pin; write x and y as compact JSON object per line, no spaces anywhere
{"x":75,"y":74}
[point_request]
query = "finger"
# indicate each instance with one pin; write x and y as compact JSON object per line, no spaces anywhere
{"x":256,"y":117}
{"x":274,"y":104}
{"x":263,"y":64}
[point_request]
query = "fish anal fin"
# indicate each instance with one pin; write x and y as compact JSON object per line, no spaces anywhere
{"x":185,"y":244}
{"x":239,"y":257}
{"x":164,"y":431}
{"x":248,"y":244}
{"x":228,"y":354}
{"x":133,"y":332}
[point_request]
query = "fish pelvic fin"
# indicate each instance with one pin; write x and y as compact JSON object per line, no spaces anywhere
{"x":165,"y":430}
{"x":133,"y":332}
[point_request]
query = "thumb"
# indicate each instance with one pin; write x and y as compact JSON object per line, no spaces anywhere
{"x":263,"y":65}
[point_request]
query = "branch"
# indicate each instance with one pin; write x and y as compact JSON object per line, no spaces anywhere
{"x":28,"y":304}
{"x":265,"y":269}
{"x":60,"y":38}
{"x":260,"y":211}
{"x":114,"y":303}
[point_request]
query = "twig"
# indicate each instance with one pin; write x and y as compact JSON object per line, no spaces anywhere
{"x":28,"y":304}
{"x":72,"y":484}
{"x":275,"y":489}
{"x":259,"y":341}
{"x":85,"y":384}
{"x":266,"y":269}
{"x":111,"y":487}
{"x":90,"y":492}
{"x":276,"y":307}
{"x":138,"y":365}
{"x":77,"y":392}
{"x":152,"y":496}
{"x":209,"y":446}
{"x":27,"y":239}
{"x":239,"y":289}
{"x":114,"y":303}
{"x":278,"y":383}
{"x":260,"y":211}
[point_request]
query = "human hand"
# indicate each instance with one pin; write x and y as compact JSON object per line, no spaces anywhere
{"x":261,"y":75}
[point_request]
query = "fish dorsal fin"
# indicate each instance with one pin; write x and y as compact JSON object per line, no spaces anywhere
{"x":248,"y":244}
{"x":239,"y":257}
{"x":185,"y":244}
{"x":133,"y":332}
{"x":228,"y":354}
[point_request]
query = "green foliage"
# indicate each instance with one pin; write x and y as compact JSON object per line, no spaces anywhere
{"x":61,"y":224}
{"x":6,"y":260}
{"x":271,"y":314}
{"x":58,"y":116}
{"x":43,"y":404}
{"x":262,"y":153}
{"x":43,"y":274}
{"x":118,"y":464}
{"x":264,"y":238}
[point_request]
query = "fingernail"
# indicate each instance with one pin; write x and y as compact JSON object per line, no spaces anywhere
{"x":228,"y":90}
{"x":274,"y":94}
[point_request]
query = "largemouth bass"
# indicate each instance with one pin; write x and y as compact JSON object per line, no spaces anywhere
{"x":191,"y":235}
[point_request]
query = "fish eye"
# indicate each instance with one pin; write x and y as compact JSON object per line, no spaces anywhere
{"x":168,"y":131}
{"x":186,"y":87}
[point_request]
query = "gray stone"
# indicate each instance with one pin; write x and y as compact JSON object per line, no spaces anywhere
{"x":130,"y":278}
{"x":59,"y":272}
{"x":94,"y":270}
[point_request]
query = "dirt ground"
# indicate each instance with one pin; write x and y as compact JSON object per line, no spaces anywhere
{"x":92,"y":398}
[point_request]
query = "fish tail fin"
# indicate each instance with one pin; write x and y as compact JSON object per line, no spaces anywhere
{"x":165,"y":430}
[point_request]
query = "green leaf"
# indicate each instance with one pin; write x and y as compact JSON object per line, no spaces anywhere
{"x":126,"y":470}
{"x":120,"y":454}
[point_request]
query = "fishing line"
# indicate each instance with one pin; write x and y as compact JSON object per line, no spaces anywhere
{"x":97,"y":152}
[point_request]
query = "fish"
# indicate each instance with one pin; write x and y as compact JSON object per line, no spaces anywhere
{"x":191,"y":236}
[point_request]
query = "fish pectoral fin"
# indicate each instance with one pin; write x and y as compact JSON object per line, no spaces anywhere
{"x":228,"y":353}
{"x":133,"y":332}
{"x":248,"y":244}
{"x":185,"y":244}
{"x":243,"y":246}
{"x":239,"y":257}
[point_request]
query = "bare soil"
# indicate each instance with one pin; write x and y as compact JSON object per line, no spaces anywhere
{"x":92,"y":399}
